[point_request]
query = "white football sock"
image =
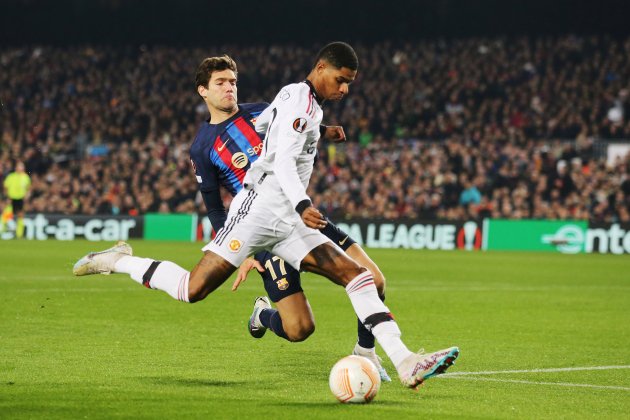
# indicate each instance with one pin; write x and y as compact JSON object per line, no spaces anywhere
{"x":364,"y":297}
{"x":168,"y":276}
{"x":134,"y":266}
{"x":388,"y":337}
{"x":172,"y":279}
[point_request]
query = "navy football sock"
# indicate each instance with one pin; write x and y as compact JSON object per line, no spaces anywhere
{"x":270,"y":318}
{"x":366,"y":338}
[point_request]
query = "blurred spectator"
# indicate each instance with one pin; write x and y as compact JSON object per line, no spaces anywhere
{"x":470,"y":193}
{"x":107,"y":130}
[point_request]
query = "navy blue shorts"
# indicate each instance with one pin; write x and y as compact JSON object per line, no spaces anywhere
{"x":282,"y":280}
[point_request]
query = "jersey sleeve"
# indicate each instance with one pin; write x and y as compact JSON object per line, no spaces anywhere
{"x":215,"y":209}
{"x":262,"y":122}
{"x":294,"y":126}
{"x":208,"y":183}
{"x":205,"y":173}
{"x":259,"y":118}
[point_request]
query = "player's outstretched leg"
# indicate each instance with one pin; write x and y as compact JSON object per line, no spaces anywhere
{"x":365,"y":345}
{"x":418,"y":367}
{"x":171,"y":278}
{"x":211,"y":271}
{"x":102,"y":262}
{"x":412,"y":368}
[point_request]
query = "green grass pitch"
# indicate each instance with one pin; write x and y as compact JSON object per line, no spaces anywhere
{"x":105,"y":347}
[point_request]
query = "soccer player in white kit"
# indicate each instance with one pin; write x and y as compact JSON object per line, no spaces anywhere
{"x":273,"y":212}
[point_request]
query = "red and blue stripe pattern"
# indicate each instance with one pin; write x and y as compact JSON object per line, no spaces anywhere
{"x":239,"y":143}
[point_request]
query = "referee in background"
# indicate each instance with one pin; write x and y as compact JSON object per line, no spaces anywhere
{"x":16,"y":187}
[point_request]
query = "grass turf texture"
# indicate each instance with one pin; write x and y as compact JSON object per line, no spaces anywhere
{"x":103,"y":346}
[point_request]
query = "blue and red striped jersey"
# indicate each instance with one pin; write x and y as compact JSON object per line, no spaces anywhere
{"x":221,"y":154}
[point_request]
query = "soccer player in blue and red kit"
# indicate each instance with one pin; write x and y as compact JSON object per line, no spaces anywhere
{"x":223,"y":150}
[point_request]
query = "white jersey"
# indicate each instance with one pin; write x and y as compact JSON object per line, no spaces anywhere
{"x":291,"y":124}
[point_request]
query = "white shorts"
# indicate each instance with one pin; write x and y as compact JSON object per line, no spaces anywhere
{"x":253,"y":226}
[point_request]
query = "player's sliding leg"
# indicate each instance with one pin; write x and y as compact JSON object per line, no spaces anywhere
{"x":255,"y":325}
{"x":412,"y":368}
{"x":365,"y":345}
{"x":180,"y":284}
{"x":102,"y":262}
{"x":215,"y":267}
{"x":293,"y":319}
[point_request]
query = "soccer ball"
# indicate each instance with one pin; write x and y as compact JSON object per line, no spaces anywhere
{"x":354,"y":379}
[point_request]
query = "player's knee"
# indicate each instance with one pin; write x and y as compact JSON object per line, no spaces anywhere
{"x":379,"y":282}
{"x":195,"y":293}
{"x":346,"y":270}
{"x":210,"y":273}
{"x":297,"y":332}
{"x":351,"y":272}
{"x":198,"y":288}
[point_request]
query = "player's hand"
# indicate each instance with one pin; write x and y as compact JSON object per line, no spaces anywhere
{"x":313,"y":218}
{"x":243,"y":270}
{"x":335,"y":134}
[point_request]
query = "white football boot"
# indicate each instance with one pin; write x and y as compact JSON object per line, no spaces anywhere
{"x":255,"y":328}
{"x":418,"y":367}
{"x":101,"y":262}
{"x":374,"y":358}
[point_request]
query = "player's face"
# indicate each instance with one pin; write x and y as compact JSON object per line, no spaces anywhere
{"x":220,"y":93}
{"x":335,"y":82}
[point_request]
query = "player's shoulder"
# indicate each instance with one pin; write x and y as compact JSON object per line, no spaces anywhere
{"x":204,"y":132}
{"x":294,"y":91}
{"x":297,"y":96}
{"x":254,"y":108}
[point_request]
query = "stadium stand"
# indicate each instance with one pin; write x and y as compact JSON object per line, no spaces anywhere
{"x":453,"y":129}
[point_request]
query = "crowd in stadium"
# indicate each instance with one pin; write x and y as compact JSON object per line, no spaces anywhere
{"x":449,"y":129}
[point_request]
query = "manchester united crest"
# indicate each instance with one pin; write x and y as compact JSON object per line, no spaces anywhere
{"x":235,"y":245}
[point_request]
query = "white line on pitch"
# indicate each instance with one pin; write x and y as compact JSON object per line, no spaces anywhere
{"x":73,"y":290}
{"x":568,"y":369}
{"x":515,"y":381}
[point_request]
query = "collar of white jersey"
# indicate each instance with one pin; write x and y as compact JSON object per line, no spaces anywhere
{"x":318,"y":98}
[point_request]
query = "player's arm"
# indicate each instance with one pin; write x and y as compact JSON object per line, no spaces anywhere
{"x":294,"y":129}
{"x":214,"y":208}
{"x":332,"y":133}
{"x":208,"y":183}
{"x":249,"y":264}
{"x":262,"y":121}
